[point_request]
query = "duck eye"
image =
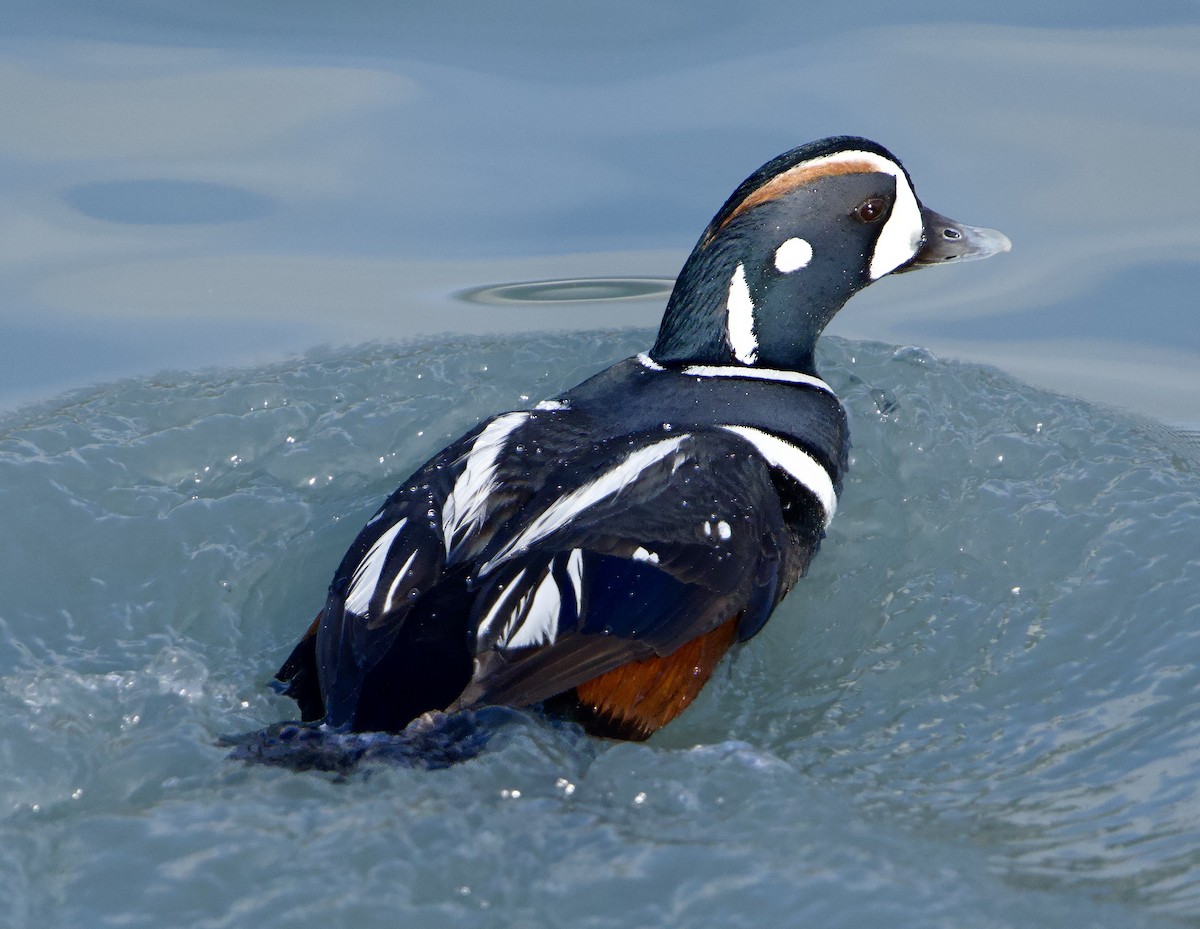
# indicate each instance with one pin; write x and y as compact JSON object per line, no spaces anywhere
{"x":870,"y":210}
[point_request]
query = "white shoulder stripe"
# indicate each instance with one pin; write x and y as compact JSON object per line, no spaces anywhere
{"x":366,"y":575}
{"x":646,"y":361}
{"x":760,"y":374}
{"x":466,"y":507}
{"x":802,"y":466}
{"x":567,"y":507}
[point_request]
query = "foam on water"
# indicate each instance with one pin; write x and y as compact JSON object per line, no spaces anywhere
{"x":980,"y":709}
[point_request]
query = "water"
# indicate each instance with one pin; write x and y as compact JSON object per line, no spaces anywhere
{"x":977,"y":711}
{"x":186,"y":185}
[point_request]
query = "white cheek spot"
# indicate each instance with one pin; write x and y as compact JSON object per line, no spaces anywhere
{"x":792,"y":255}
{"x":723,"y":530}
{"x":739,"y":319}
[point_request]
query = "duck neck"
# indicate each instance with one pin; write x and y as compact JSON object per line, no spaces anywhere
{"x":726,"y":309}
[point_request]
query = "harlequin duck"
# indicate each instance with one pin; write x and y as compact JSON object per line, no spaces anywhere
{"x":607,"y":547}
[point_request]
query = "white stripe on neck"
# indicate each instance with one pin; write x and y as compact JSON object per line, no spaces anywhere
{"x":739,"y":319}
{"x":758,"y":374}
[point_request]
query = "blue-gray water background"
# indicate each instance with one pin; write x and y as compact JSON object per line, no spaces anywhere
{"x":980,"y":710}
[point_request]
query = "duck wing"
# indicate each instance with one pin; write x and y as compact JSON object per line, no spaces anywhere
{"x":655,"y":544}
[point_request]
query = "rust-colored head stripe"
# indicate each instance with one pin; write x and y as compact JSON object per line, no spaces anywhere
{"x":784,"y":183}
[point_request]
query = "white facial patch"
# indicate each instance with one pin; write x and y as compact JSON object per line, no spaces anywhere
{"x":900,"y":238}
{"x":739,"y":319}
{"x":792,"y":255}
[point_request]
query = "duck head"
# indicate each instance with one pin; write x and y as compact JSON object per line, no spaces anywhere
{"x":794,"y":242}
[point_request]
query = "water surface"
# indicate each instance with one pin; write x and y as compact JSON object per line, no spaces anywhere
{"x":978,"y":710}
{"x":230,"y":183}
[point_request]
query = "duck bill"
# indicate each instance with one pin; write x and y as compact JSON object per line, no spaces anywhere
{"x":947,"y":240}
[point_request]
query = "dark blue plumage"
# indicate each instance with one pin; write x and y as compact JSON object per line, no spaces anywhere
{"x":613,"y":542}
